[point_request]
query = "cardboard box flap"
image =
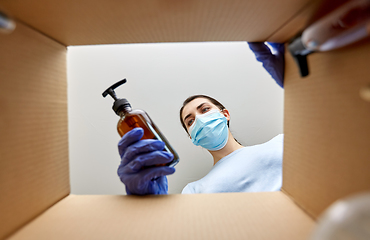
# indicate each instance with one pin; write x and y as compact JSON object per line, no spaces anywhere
{"x":295,"y":25}
{"x":312,"y":12}
{"x":270,"y":215}
{"x":86,"y":22}
{"x":327,"y":128}
{"x":34,"y":170}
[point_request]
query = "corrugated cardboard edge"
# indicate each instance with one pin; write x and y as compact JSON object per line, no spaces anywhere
{"x":264,"y":215}
{"x":34,"y":127}
{"x":327,"y":128}
{"x":89,"y":22}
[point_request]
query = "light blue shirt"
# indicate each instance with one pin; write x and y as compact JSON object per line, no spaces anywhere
{"x":255,"y":168}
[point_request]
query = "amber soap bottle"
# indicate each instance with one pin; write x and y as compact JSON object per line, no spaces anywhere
{"x":132,"y":118}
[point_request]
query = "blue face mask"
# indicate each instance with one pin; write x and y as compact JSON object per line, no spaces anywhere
{"x":210,"y":130}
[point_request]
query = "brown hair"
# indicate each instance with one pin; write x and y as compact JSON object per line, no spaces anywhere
{"x":191,"y":98}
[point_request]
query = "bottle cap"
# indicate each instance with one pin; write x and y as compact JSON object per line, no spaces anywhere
{"x":119,"y":103}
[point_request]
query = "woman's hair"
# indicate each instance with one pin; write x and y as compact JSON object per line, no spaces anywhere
{"x":191,"y":98}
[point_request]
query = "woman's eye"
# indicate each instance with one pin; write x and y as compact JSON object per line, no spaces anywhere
{"x":205,"y":109}
{"x":190,"y":122}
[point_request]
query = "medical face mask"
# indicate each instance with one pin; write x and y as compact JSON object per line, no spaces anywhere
{"x":210,"y":130}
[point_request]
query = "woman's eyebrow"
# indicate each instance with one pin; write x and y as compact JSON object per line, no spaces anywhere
{"x":187,"y":116}
{"x":200,"y":106}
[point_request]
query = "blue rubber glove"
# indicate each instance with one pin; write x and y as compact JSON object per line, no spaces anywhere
{"x":137,"y":170}
{"x":273,"y":63}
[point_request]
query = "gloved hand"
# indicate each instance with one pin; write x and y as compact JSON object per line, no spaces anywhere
{"x":138,"y":157}
{"x":273,"y":63}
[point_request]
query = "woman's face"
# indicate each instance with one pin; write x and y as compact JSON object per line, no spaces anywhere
{"x":198,"y":106}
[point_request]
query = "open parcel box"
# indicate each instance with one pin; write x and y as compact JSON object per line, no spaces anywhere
{"x":326,"y":123}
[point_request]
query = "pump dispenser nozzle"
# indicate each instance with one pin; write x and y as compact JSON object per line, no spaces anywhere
{"x":119,"y":103}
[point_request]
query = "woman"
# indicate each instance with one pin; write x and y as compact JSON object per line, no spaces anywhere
{"x":236,"y":168}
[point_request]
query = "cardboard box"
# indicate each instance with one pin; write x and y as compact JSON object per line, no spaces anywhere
{"x":326,"y":123}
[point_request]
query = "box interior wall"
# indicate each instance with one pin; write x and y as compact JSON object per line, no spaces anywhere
{"x":326,"y":123}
